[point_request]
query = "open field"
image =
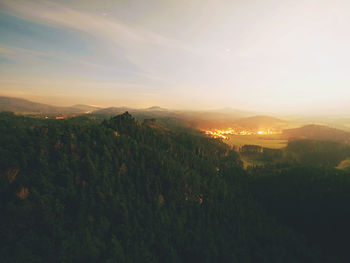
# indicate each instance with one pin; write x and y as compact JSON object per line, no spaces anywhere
{"x":270,"y":141}
{"x":344,"y":165}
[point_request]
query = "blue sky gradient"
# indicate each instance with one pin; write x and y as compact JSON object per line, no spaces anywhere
{"x":269,"y":56}
{"x":21,"y":33}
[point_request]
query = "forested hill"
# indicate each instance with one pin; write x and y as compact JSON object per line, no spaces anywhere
{"x":81,"y":190}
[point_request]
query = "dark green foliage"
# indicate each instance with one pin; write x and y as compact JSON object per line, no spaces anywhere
{"x":320,"y":153}
{"x":300,"y":187}
{"x":312,"y":200}
{"x":300,"y":152}
{"x":80,"y":190}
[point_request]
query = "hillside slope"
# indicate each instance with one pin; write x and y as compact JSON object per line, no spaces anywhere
{"x":317,"y":132}
{"x":80,"y":190}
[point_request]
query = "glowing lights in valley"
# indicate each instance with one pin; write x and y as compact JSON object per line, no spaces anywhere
{"x":217,"y":134}
{"x":223,"y":134}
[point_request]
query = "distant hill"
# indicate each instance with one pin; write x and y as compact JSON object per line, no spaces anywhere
{"x":261,"y":121}
{"x":234,"y":112}
{"x":177,"y":118}
{"x":23,"y":106}
{"x":83,"y":108}
{"x":140,"y":114}
{"x":156,"y":108}
{"x":111,"y":111}
{"x":317,"y":132}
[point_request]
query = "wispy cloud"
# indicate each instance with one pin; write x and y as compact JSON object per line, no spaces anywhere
{"x":103,"y":27}
{"x":113,"y":39}
{"x":156,"y":57}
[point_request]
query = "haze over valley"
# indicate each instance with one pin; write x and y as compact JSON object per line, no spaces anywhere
{"x":215,"y":123}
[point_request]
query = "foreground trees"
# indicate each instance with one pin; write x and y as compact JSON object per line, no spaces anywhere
{"x":81,"y":190}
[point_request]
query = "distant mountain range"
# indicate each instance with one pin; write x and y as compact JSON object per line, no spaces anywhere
{"x":191,"y":118}
{"x":221,"y":118}
{"x":23,"y":106}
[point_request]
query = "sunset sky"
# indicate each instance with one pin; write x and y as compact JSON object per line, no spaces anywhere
{"x":268,"y":55}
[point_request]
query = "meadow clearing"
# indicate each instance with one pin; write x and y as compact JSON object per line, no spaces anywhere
{"x":267,"y":141}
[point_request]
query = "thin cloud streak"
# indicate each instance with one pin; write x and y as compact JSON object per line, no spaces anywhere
{"x":99,"y":26}
{"x":107,"y":30}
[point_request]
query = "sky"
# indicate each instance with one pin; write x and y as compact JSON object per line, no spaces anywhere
{"x":270,"y":55}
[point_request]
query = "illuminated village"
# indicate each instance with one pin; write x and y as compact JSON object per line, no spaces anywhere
{"x":223,"y":134}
